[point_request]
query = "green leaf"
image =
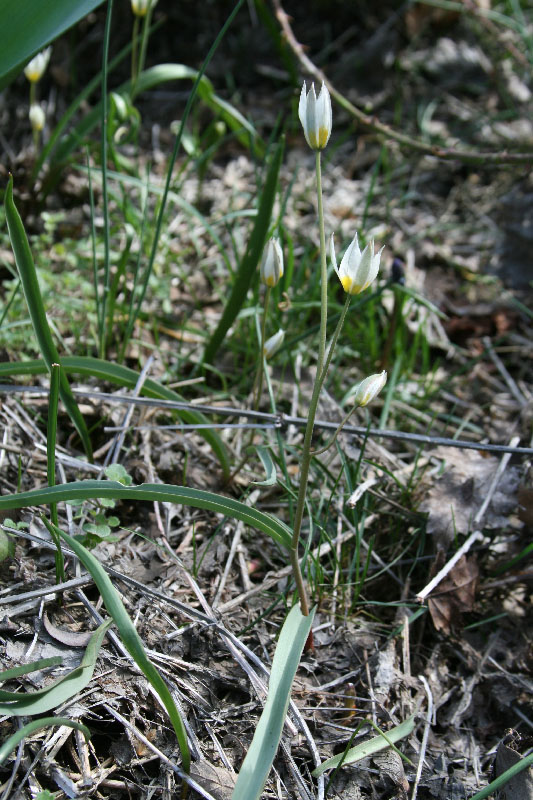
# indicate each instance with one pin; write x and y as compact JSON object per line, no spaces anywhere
{"x":259,"y":758}
{"x":25,"y":669}
{"x":45,"y":722}
{"x":251,"y":258}
{"x":149,"y":79}
{"x":368,"y":748}
{"x":152,"y":492}
{"x":268,"y":464}
{"x":30,"y":25}
{"x":25,"y":703}
{"x":117,"y":472}
{"x":124,"y":376}
{"x":130,"y":638}
{"x":34,"y":300}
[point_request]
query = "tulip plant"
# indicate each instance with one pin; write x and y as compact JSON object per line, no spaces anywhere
{"x":357,"y":270}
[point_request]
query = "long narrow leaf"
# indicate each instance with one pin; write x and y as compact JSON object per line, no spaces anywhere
{"x":152,"y":492}
{"x":248,"y":265}
{"x":25,"y":669}
{"x":25,"y":703}
{"x":123,"y":376}
{"x":34,"y":300}
{"x":365,"y":749}
{"x":44,"y":722}
{"x":259,"y":758}
{"x":131,"y":640}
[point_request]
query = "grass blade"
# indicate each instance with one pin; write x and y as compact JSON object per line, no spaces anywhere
{"x":152,"y":492}
{"x":248,"y":265}
{"x":34,"y":300}
{"x":259,"y":758}
{"x":131,"y":639}
{"x":45,"y":722}
{"x":20,"y":704}
{"x":124,"y":376}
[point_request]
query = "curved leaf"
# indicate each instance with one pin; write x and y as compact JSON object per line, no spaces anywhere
{"x":44,"y":722}
{"x":19,"y":704}
{"x":130,"y":638}
{"x":153,"y":492}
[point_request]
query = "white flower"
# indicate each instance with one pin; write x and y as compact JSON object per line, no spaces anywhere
{"x":37,"y":117}
{"x":35,"y":68}
{"x":315,"y":116}
{"x":369,"y":388}
{"x":140,"y":7}
{"x":357,"y":270}
{"x":272,"y":263}
{"x":274,"y":343}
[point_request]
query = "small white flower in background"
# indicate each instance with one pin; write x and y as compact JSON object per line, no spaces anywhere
{"x":358,"y":269}
{"x":274,"y":343}
{"x":140,"y":7}
{"x":369,"y":388}
{"x":272,"y":263}
{"x":315,"y":116}
{"x":37,"y":117}
{"x":35,"y":68}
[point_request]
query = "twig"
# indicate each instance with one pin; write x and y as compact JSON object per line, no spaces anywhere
{"x":425,"y":735}
{"x":494,"y":482}
{"x":474,"y":537}
{"x":496,"y":360}
{"x":373,"y":124}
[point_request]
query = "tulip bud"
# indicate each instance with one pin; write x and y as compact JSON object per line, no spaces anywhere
{"x":272,"y":263}
{"x":37,"y":117}
{"x":140,"y":7}
{"x":357,"y":270}
{"x":369,"y":388}
{"x":274,"y":343}
{"x":35,"y":68}
{"x":315,"y":116}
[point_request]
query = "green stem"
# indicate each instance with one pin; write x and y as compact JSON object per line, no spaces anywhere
{"x":323,"y":269}
{"x":261,"y":350}
{"x":258,"y":384}
{"x":105,"y":203}
{"x":144,"y":37}
{"x":35,"y":133}
{"x":134,"y":50}
{"x":319,"y":380}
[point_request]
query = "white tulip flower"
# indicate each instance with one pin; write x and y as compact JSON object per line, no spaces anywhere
{"x":358,"y":269}
{"x":315,"y":116}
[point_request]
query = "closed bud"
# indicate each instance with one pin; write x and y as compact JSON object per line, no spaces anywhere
{"x":35,"y":68}
{"x":358,"y":269}
{"x":140,"y":7}
{"x":272,"y":263}
{"x":37,"y":117}
{"x":273,"y":344}
{"x":315,"y":116}
{"x":369,"y":388}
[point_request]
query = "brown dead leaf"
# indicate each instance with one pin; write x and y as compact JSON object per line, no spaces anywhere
{"x":455,"y":595}
{"x":454,"y":499}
